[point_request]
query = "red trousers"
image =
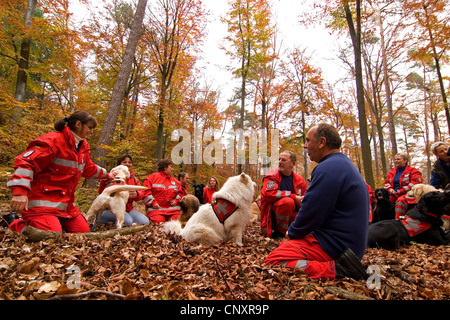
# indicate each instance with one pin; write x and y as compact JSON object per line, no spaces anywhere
{"x":284,"y":213}
{"x":306,"y":254}
{"x":161,"y":216}
{"x":51,"y":222}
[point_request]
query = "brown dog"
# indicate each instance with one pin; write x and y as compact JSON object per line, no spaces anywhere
{"x":189,"y":205}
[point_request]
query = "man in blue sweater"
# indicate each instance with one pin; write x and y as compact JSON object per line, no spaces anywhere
{"x":329,"y":234}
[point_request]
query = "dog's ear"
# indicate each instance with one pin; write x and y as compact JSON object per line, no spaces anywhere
{"x":244,"y":178}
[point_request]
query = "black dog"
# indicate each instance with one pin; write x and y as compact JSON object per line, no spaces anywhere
{"x":384,"y":209}
{"x":422,"y":224}
{"x":198,"y":192}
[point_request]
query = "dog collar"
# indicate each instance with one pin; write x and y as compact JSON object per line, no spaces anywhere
{"x":430,"y":214}
{"x":116,"y":182}
{"x":223,"y":209}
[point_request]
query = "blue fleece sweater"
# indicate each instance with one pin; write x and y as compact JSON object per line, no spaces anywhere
{"x":335,"y":208}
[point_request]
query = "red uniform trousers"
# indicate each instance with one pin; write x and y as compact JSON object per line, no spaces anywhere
{"x":403,"y":204}
{"x":306,"y":254}
{"x":77,"y":224}
{"x":284,"y":213}
{"x":162,"y":215}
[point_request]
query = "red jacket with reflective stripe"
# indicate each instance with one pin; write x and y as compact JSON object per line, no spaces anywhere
{"x":409,"y":177}
{"x":48,"y":173}
{"x":270,"y":193}
{"x":162,"y":189}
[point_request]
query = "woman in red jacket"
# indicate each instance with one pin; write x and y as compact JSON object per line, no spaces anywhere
{"x":132,"y":216}
{"x":47,"y":174}
{"x":210,"y":189}
{"x":400,"y":179}
{"x":163,"y":196}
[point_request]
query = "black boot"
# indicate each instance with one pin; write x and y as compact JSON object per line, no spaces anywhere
{"x":6,"y":220}
{"x":348,"y":265}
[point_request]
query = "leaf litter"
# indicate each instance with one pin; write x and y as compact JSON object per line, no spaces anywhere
{"x":152,"y":265}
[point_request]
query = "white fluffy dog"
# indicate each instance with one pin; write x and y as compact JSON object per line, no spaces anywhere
{"x":114,"y":197}
{"x":215,"y":222}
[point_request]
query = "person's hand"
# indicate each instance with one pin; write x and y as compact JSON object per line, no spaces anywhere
{"x":112,"y":175}
{"x":19,"y":203}
{"x":133,"y":194}
{"x":298,"y":201}
{"x":156,"y":206}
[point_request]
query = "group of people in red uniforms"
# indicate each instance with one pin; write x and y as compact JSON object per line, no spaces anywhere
{"x":324,"y":225}
{"x":47,"y":173}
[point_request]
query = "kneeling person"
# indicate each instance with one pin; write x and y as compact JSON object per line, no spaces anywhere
{"x":163,"y":196}
{"x":329,"y":235}
{"x":281,"y":196}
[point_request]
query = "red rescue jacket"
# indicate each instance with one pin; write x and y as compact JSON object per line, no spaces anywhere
{"x":162,"y":189}
{"x":270,"y":193}
{"x":207,"y":194}
{"x":409,"y":177}
{"x":48,"y":173}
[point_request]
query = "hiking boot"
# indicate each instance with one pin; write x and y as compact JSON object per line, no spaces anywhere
{"x":348,"y":265}
{"x":6,"y":220}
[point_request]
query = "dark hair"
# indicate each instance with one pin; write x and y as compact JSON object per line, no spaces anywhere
{"x":292,"y":155}
{"x":331,"y":135}
{"x":182,"y":174}
{"x":71,"y":121}
{"x":163,"y":164}
{"x":123,"y":157}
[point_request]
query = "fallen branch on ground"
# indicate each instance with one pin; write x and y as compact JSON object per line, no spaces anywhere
{"x":35,"y":234}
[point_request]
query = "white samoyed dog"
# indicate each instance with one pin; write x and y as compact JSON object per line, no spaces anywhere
{"x":222,"y":220}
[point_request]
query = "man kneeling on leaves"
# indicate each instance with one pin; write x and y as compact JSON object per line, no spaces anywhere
{"x":329,"y":235}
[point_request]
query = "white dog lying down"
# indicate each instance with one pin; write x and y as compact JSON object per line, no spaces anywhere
{"x":224,"y":219}
{"x":114,"y":197}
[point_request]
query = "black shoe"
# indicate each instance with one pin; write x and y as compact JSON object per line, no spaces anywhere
{"x":6,"y":220}
{"x":348,"y":265}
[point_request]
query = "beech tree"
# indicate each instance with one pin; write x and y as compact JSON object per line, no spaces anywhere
{"x":432,"y":30}
{"x":249,"y":34}
{"x":355,"y":34}
{"x":112,"y":114}
{"x":174,"y":34}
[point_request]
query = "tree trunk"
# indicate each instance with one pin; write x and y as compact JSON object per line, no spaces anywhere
{"x":115,"y":103}
{"x":387,"y":89}
{"x":364,"y":136}
{"x":438,"y":68}
{"x":21,"y":82}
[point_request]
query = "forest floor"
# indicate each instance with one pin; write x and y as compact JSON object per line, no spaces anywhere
{"x":152,"y":265}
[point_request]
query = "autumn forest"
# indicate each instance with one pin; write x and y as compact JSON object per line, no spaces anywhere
{"x":134,"y":65}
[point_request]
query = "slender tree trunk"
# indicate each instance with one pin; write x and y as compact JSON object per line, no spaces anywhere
{"x":21,"y":82}
{"x":364,"y":136}
{"x":387,"y":89}
{"x":438,"y":68}
{"x":116,"y":101}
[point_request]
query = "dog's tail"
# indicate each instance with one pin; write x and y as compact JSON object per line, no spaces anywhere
{"x":172,"y":227}
{"x":118,"y":188}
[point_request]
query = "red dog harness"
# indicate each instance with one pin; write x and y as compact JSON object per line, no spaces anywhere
{"x":223,"y":209}
{"x":415,"y":226}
